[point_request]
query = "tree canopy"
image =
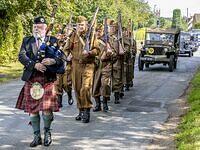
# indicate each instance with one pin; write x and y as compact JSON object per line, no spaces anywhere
{"x":16,"y":17}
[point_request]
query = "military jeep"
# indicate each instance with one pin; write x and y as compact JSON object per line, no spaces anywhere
{"x":160,"y":47}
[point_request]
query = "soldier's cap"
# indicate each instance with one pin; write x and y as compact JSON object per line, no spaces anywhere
{"x":81,"y":19}
{"x":110,"y":21}
{"x":39,"y":20}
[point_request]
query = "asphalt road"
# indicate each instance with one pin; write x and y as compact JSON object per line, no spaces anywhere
{"x":131,"y":125}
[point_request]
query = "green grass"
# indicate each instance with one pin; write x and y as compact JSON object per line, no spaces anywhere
{"x":188,"y":137}
{"x":10,"y":71}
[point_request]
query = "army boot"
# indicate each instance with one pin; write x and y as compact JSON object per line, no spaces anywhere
{"x":105,"y":104}
{"x":131,"y":84}
{"x":121,"y":94}
{"x":47,"y":124}
{"x":116,"y":94}
{"x":86,"y":115}
{"x":127,"y":87}
{"x":60,"y":101}
{"x":79,"y":116}
{"x":98,"y":104}
{"x":70,"y":99}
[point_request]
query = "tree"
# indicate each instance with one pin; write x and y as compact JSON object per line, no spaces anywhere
{"x":176,"y":20}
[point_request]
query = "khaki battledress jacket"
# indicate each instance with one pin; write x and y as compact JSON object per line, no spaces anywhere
{"x":102,"y":79}
{"x":82,"y":70}
{"x":128,"y":61}
{"x":117,"y":67}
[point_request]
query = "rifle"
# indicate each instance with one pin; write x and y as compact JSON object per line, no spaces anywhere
{"x":130,"y":32}
{"x":90,"y":33}
{"x":120,"y":35}
{"x":50,"y":28}
{"x":106,"y":40}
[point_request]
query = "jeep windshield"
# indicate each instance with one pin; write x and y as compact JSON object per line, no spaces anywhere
{"x":160,"y":38}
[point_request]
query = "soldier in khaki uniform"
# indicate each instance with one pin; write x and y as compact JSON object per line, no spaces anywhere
{"x":64,"y":81}
{"x":117,"y":63}
{"x":128,"y":59}
{"x":82,"y":69}
{"x":102,"y":79}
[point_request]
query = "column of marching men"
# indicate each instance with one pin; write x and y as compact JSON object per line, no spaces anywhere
{"x":93,"y":59}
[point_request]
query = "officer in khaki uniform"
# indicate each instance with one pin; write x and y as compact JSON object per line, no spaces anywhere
{"x":82,"y":68}
{"x":117,"y":63}
{"x":102,"y":79}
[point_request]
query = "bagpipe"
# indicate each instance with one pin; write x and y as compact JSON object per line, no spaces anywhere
{"x":50,"y":48}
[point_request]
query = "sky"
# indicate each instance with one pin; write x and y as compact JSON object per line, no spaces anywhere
{"x":167,"y":6}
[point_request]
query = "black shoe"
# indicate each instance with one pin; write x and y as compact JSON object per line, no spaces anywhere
{"x":105,"y":105}
{"x":127,"y":87}
{"x":86,"y":116}
{"x":131,"y":84}
{"x":70,"y":99}
{"x":47,"y":137}
{"x":36,"y":141}
{"x":97,"y":108}
{"x":98,"y":104}
{"x":79,"y":116}
{"x":116,"y":94}
{"x":60,"y":101}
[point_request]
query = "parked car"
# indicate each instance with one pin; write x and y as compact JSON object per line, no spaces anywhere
{"x":185,"y":45}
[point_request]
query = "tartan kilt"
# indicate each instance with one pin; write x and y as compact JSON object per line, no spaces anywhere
{"x":49,"y":101}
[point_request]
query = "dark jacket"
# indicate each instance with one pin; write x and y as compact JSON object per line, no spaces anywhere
{"x":28,"y":57}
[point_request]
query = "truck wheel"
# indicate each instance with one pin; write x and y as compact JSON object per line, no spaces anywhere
{"x":140,"y":63}
{"x":171,"y":63}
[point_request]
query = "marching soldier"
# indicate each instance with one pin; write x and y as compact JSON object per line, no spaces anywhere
{"x":82,"y":68}
{"x":64,"y":81}
{"x":117,"y":62}
{"x":38,"y":93}
{"x":102,"y":79}
{"x":128,"y":59}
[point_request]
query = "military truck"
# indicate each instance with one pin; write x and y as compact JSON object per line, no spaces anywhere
{"x":160,"y":47}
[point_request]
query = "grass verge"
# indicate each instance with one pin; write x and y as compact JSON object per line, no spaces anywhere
{"x":10,"y":71}
{"x":188,"y":137}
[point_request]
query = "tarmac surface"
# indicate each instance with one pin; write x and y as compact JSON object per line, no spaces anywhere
{"x":133,"y":124}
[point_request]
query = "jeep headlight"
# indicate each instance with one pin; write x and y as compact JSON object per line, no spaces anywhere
{"x":165,"y":50}
{"x":170,"y":43}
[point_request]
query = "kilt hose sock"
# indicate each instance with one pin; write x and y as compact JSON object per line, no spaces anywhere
{"x":47,"y":120}
{"x":35,"y":123}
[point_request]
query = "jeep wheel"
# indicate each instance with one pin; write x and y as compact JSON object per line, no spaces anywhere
{"x":171,"y":63}
{"x":147,"y":65}
{"x":190,"y":54}
{"x":140,"y":63}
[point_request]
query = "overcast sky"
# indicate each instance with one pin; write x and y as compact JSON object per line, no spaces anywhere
{"x":167,"y":6}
